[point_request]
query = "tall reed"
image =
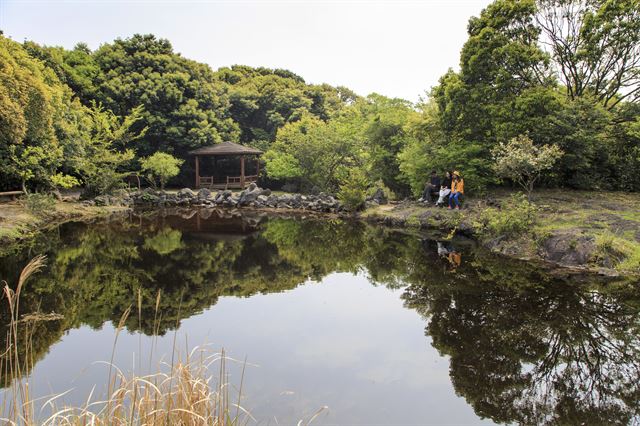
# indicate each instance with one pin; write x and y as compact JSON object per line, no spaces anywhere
{"x":183,"y":392}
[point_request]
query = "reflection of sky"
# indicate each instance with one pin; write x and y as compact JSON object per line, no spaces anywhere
{"x":342,"y":343}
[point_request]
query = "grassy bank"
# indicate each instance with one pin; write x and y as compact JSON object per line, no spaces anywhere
{"x":599,"y":231}
{"x":594,"y":230}
{"x":18,"y":223}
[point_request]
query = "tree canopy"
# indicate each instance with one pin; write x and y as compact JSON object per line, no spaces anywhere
{"x":563,"y":72}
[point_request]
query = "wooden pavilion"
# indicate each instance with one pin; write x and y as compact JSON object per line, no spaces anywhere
{"x":227,"y":151}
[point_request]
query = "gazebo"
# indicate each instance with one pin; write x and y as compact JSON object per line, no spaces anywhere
{"x":227,"y":151}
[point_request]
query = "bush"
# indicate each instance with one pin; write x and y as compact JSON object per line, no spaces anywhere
{"x":514,"y":218}
{"x":618,"y":253}
{"x":353,"y":190}
{"x":160,"y":167}
{"x":39,"y":204}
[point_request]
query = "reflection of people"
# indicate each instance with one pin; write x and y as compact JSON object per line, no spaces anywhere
{"x":453,"y":256}
{"x":455,"y":259}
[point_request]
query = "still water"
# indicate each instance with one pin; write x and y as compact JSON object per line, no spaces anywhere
{"x":380,"y":326}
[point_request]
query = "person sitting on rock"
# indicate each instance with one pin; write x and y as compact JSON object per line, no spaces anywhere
{"x":431,"y":189}
{"x":457,"y":190}
{"x":445,"y":189}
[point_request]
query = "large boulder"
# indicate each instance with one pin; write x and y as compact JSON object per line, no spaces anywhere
{"x":204,"y":194}
{"x":186,"y":193}
{"x":249,"y":195}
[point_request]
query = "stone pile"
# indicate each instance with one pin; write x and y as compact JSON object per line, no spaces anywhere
{"x":253,"y":196}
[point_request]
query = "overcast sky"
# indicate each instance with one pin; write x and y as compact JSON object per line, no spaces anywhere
{"x":396,"y":48}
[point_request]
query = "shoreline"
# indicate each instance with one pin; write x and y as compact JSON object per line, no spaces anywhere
{"x":551,"y":242}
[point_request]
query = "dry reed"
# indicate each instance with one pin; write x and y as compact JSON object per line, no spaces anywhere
{"x":183,"y":392}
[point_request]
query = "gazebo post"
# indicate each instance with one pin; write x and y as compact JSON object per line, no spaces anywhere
{"x":197,"y":171}
{"x":257,"y":168}
{"x":242,"y":171}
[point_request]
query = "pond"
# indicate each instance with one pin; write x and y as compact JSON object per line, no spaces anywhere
{"x":381,"y":326}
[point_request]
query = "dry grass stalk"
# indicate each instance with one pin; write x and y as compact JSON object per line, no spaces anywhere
{"x":184,"y":394}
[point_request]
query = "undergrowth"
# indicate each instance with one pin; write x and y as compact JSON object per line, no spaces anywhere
{"x":618,"y":253}
{"x":515,"y":217}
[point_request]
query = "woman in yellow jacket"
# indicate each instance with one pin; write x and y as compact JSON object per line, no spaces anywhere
{"x":457,"y":188}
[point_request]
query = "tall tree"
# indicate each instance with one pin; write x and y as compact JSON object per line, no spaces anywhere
{"x":184,"y":105}
{"x":595,"y":45}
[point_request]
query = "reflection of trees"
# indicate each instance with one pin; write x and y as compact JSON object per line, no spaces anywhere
{"x":525,"y":346}
{"x":552,"y":351}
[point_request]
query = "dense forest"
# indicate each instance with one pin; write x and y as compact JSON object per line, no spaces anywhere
{"x":562,"y":73}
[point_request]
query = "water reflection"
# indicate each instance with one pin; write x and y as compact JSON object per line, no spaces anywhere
{"x":525,"y":345}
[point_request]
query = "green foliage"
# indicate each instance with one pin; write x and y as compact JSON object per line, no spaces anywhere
{"x":383,"y":122}
{"x":29,"y":96}
{"x":619,"y":253}
{"x":263,"y":100}
{"x":102,"y":166}
{"x":523,"y":162}
{"x":314,"y":153}
{"x":160,"y":167}
{"x":39,"y":203}
{"x":512,"y":219}
{"x":184,"y":105}
{"x":353,"y":190}
{"x":86,"y":114}
{"x":166,"y":241}
{"x":429,"y":148}
{"x":64,"y":181}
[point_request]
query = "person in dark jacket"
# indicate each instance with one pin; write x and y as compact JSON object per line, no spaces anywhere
{"x":431,"y":189}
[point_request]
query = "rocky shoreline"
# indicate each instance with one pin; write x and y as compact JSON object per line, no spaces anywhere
{"x":561,"y":249}
{"x":253,"y":196}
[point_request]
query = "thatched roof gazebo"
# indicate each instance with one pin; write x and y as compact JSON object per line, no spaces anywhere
{"x":220,"y":177}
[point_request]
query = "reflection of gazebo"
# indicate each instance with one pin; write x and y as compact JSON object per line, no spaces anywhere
{"x":223,"y":172}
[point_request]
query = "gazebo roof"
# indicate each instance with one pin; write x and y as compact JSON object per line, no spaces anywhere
{"x":226,"y":148}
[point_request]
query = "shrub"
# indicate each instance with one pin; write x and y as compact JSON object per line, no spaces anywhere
{"x":353,"y":190}
{"x":39,"y":204}
{"x":618,"y":253}
{"x":160,"y":167}
{"x":523,"y":162}
{"x":513,"y":218}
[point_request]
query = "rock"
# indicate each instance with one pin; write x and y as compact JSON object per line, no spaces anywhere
{"x":569,"y":248}
{"x":186,"y":193}
{"x":101,"y":200}
{"x":204,"y":194}
{"x":252,"y":187}
{"x":265,"y":192}
{"x":247,"y":196}
{"x":262,"y":199}
{"x":378,"y":197}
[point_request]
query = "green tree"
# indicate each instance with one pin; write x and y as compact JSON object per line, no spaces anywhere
{"x":314,"y":153}
{"x":263,"y":100}
{"x":595,"y":46}
{"x":184,"y":105}
{"x":353,"y":189}
{"x":160,"y":167}
{"x":104,"y":160}
{"x":523,"y":162}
